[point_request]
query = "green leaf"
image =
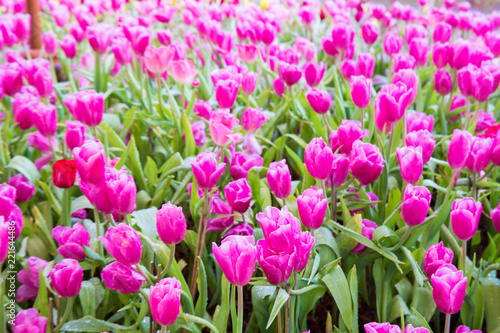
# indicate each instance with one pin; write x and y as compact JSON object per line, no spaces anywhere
{"x":80,"y":203}
{"x":221,"y":315}
{"x":42,"y":299}
{"x":278,"y":304}
{"x":151,"y":171}
{"x":135,"y":164}
{"x":419,"y":276}
{"x":26,"y":167}
{"x":50,"y":196}
{"x":94,"y":256}
{"x":146,"y":220}
{"x":90,"y":324}
{"x":113,"y":139}
{"x":87,"y":298}
{"x":491,"y":288}
{"x":338,"y":287}
{"x":190,"y":149}
{"x":353,"y":286}
{"x":201,"y":304}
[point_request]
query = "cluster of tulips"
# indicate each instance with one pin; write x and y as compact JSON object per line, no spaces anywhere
{"x":164,"y":165}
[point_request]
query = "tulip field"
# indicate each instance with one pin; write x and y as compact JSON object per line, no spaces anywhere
{"x":278,"y":166}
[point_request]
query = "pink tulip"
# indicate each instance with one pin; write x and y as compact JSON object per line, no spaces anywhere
{"x":436,"y":256}
{"x":459,"y":54}
{"x":198,"y":128}
{"x":392,"y":43}
{"x":158,"y":59}
{"x":343,"y":36}
{"x":419,"y":50}
{"x":252,"y":119}
{"x":448,"y":289}
{"x":279,"y":179}
{"x":416,"y":121}
{"x":318,"y":158}
{"x":23,"y":106}
{"x":464,"y":216}
{"x":403,"y":61}
{"x":164,"y":36}
{"x":360,"y":91}
{"x":86,"y":106}
{"x":367,"y":229}
{"x":392,"y":101}
{"x":442,"y":32}
{"x":71,"y":241}
{"x":236,"y":257}
{"x":99,"y":37}
{"x":226,"y":92}
{"x":410,"y":329}
{"x":381,"y":328}
{"x":68,"y":45}
{"x":319,"y":100}
{"x":165,"y":301}
{"x":238,"y":195}
{"x":369,"y":33}
{"x":465,"y":329}
{"x":366,"y":162}
{"x":24,"y":188}
{"x":183,"y":71}
{"x":124,"y":244}
{"x":171,"y":224}
{"x":365,"y":65}
{"x":29,"y":277}
{"x":312,"y":207}
{"x":423,"y":139}
{"x":277,"y":266}
{"x":304,"y":244}
{"x":30,"y":321}
{"x":340,"y":170}
{"x":313,"y":73}
{"x":348,"y":132}
{"x":442,"y":82}
{"x":12,"y":78}
{"x":495,"y":149}
{"x":241,"y":163}
{"x":90,"y":161}
{"x":45,"y":119}
{"x":410,"y":163}
{"x":66,"y":278}
{"x":289,"y":74}
{"x":348,"y":69}
{"x":416,"y":202}
{"x":221,"y":126}
{"x":206,"y":171}
{"x":459,"y":149}
{"x":122,"y":50}
{"x":140,"y":38}
{"x":279,"y":87}
{"x":480,"y":154}
{"x":219,"y":207}
{"x":247,"y":52}
{"x":495,"y":218}
{"x":49,"y":40}
{"x":248,"y":82}
{"x":123,"y":278}
{"x":75,"y":134}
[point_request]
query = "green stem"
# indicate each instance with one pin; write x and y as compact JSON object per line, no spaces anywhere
{"x":362,"y":116}
{"x":69,"y":306}
{"x":402,"y":240}
{"x":447,"y":323}
{"x":97,"y":219}
{"x":464,"y":256}
{"x":443,"y":117}
{"x":287,"y":311}
{"x":160,"y":99}
{"x":474,"y":186}
{"x":334,"y":203}
{"x":404,"y":128}
{"x":170,"y":260}
{"x":163,"y":329}
{"x":450,"y":184}
{"x":240,"y":309}
{"x":97,"y":73}
{"x":201,"y":321}
{"x":66,"y":207}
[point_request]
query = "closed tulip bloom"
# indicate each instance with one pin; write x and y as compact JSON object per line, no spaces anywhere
{"x":12,"y":78}
{"x":121,"y":190}
{"x":410,"y":163}
{"x":318,"y":158}
{"x":241,"y":163}
{"x":29,"y":277}
{"x":122,"y":50}
{"x":279,"y":179}
{"x":312,"y":207}
{"x":124,"y":244}
{"x":219,"y":207}
{"x":221,"y":128}
{"x":442,"y":82}
{"x":410,"y":79}
{"x":24,"y":188}
{"x":68,"y":45}
{"x":30,"y":321}
{"x":480,"y":154}
{"x":392,"y":43}
{"x":348,"y":69}
{"x":252,"y":119}
{"x":448,"y":289}
{"x":465,"y":329}
{"x":238,"y":195}
{"x":369,"y":32}
{"x":366,"y":162}
{"x":410,"y":329}
{"x":442,"y":32}
{"x":459,"y":54}
{"x":247,"y":52}
{"x":423,"y":139}
{"x":64,"y":173}
{"x":99,"y":37}
{"x":198,"y":128}
{"x":280,"y":228}
{"x":123,"y":278}
{"x":419,"y":50}
{"x":45,"y":119}
{"x":49,"y":40}
{"x":206,"y":171}
{"x":365,"y":65}
{"x":495,"y":218}
{"x":416,"y":121}
{"x":86,"y":106}
{"x":348,"y":132}
{"x":71,"y":241}
{"x":459,"y":149}
{"x":279,"y":87}
{"x":305,"y":243}
{"x":225,"y":93}
{"x":464,"y":216}
{"x":90,"y":161}
{"x":157,"y":59}
{"x":183,"y":71}
{"x":367,"y":229}
{"x":381,"y":328}
{"x":23,"y":107}
{"x":416,"y":202}
{"x":340,"y":170}
{"x":171,"y":224}
{"x":165,"y":301}
{"x":277,"y":266}
{"x":203,"y":109}
{"x":482,"y":84}
{"x":66,"y":278}
{"x":313,"y":73}
{"x":441,"y":54}
{"x":360,"y":91}
{"x":319,"y":100}
{"x":288,"y":73}
{"x":248,"y":82}
{"x":392,"y":101}
{"x":75,"y":134}
{"x":43,"y":82}
{"x":403,"y":61}
{"x":236,"y":256}
{"x":436,"y":256}
{"x":492,"y":40}
{"x":164,"y":36}
{"x":140,"y":38}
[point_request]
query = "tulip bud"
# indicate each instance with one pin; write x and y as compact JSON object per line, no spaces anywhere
{"x":392,"y":43}
{"x":312,"y":207}
{"x":480,"y":154}
{"x":124,"y":244}
{"x":123,"y":278}
{"x":24,"y":188}
{"x":219,"y":207}
{"x":183,"y":71}
{"x":248,"y":82}
{"x":30,"y":321}
{"x":289,"y":74}
{"x":360,"y":91}
{"x":348,"y":132}
{"x":277,"y":266}
{"x":71,"y":241}
{"x":252,"y":119}
{"x":247,"y":52}
{"x":365,"y":65}
{"x":66,"y":278}
{"x":45,"y":119}
{"x":442,"y":32}
{"x":482,"y":84}
{"x":448,"y":289}
{"x":495,"y":218}
{"x":206,"y":171}
{"x":436,"y":256}
{"x":221,"y":127}
{"x":279,"y":87}
{"x":410,"y":163}
{"x":64,"y":173}
{"x":157,"y":59}
{"x":369,"y":33}
{"x":236,"y":256}
{"x":75,"y":134}
{"x":279,"y":179}
{"x":464,"y":216}
{"x":366,"y":162}
{"x":459,"y":54}
{"x":320,"y":100}
{"x":318,"y":158}
{"x":441,"y":54}
{"x":68,"y":45}
{"x":165,"y":301}
{"x":121,"y":190}
{"x":313,"y":73}
{"x":90,"y":161}
{"x":416,"y":202}
{"x":49,"y":40}
{"x":171,"y":224}
{"x":419,"y":50}
{"x":12,"y":78}
{"x":86,"y":106}
{"x":238,"y":194}
{"x":392,"y":101}
{"x":423,"y":139}
{"x":367,"y":229}
{"x":348,"y":69}
{"x":442,"y":82}
{"x":459,"y":149}
{"x":43,"y":82}
{"x":381,"y":328}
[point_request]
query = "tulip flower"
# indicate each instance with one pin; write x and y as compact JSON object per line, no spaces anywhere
{"x":280,"y":228}
{"x":416,"y":202}
{"x":158,"y":59}
{"x":410,"y":329}
{"x":124,"y":244}
{"x":123,"y":278}
{"x":236,"y":256}
{"x":392,"y":43}
{"x":121,"y":190}
{"x":279,"y":87}
{"x":64,"y":173}
{"x":66,"y":278}
{"x":313,"y":73}
{"x":238,"y":195}
{"x":248,"y":82}
{"x":279,"y":179}
{"x":348,"y":132}
{"x":247,"y":52}
{"x":459,"y":54}
{"x":221,"y":126}
{"x":43,"y":82}
{"x":305,"y":243}
{"x":71,"y":241}
{"x":348,"y":69}
{"x":369,"y":32}
{"x":416,"y":121}
{"x":277,"y":266}
{"x":289,"y":74}
{"x":75,"y":134}
{"x":318,"y":158}
{"x":423,"y":139}
{"x":459,"y":149}
{"x":99,"y":37}
{"x":442,"y":32}
{"x":45,"y":119}
{"x":339,"y":172}
{"x":23,"y":106}
{"x":319,"y":100}
{"x":366,"y":162}
{"x":442,"y":82}
{"x":403,"y":61}
{"x":165,"y":301}
{"x":441,"y":54}
{"x":68,"y":45}
{"x":219,"y":207}
{"x":252,"y":119}
{"x":465,"y":329}
{"x":365,"y":65}
{"x":436,"y":256}
{"x":392,"y":101}
{"x":30,"y":321}
{"x":312,"y":207}
{"x":448,"y":289}
{"x":360,"y":91}
{"x":206,"y":171}
{"x":410,"y":163}
{"x":367,"y":229}
{"x":171,"y":224}
{"x":495,"y":218}
{"x":480,"y":154}
{"x":464,"y":216}
{"x":86,"y":106}
{"x":381,"y":328}
{"x":24,"y":188}
{"x":495,"y":149}
{"x":29,"y":278}
{"x":241,"y":163}
{"x":183,"y":71}
{"x":12,"y":78}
